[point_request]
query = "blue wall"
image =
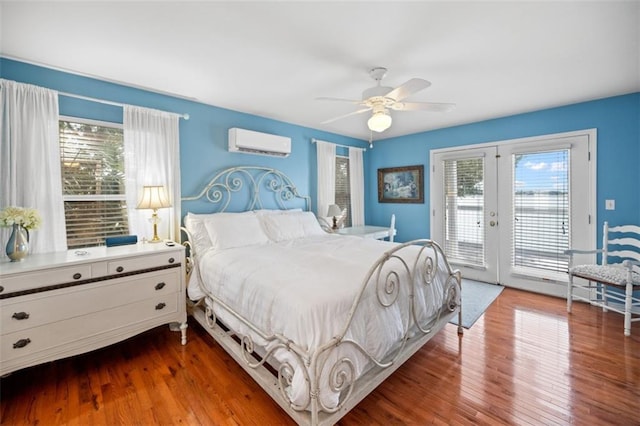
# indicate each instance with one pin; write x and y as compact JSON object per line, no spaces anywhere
{"x":203,"y":143}
{"x":203,"y":138}
{"x":616,"y":119}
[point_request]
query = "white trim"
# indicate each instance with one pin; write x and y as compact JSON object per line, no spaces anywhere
{"x":100,"y":78}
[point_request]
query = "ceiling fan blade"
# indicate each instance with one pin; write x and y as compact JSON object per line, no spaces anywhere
{"x":331,"y":120}
{"x":409,"y":88}
{"x":327,"y":98}
{"x":423,"y":106}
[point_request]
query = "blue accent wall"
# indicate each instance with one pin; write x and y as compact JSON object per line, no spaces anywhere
{"x":203,"y":138}
{"x":617,"y":120}
{"x":203,"y":143}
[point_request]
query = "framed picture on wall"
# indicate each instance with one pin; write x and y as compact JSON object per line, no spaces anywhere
{"x":401,"y":185}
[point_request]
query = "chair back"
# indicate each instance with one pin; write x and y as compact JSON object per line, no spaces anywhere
{"x":622,"y":242}
{"x":392,"y":227}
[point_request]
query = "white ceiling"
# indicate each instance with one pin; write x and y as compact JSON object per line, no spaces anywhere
{"x":274,"y":58}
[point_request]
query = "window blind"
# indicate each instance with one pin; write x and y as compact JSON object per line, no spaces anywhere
{"x":541,"y":213}
{"x":92,"y":157}
{"x":343,"y":188}
{"x":464,"y":210}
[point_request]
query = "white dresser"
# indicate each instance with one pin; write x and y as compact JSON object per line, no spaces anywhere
{"x":65,"y":303}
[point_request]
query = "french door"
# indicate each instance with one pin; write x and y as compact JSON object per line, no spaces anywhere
{"x":506,"y":212}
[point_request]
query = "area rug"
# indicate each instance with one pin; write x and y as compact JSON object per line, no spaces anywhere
{"x":476,"y":298}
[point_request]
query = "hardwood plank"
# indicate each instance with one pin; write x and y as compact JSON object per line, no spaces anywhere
{"x":525,"y":362}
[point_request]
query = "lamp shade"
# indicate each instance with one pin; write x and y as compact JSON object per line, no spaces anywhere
{"x":379,"y":121}
{"x":154,"y":197}
{"x":334,"y":210}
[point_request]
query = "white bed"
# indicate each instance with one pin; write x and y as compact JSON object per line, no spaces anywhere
{"x":332,"y":315}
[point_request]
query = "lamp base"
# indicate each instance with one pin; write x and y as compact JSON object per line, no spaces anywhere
{"x":155,"y":219}
{"x":335,"y":223}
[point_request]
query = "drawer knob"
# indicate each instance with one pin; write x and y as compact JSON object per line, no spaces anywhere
{"x":160,"y":286}
{"x":20,"y":315}
{"x":160,"y":306}
{"x":1,"y":289}
{"x":77,"y":276}
{"x":21,"y":343}
{"x":119,"y":269}
{"x":171,"y":260}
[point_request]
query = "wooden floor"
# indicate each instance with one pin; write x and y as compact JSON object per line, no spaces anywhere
{"x":524,"y":362}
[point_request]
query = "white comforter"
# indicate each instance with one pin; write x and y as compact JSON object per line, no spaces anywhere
{"x":303,"y":289}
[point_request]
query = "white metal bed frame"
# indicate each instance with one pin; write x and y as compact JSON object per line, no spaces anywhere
{"x":255,"y":181}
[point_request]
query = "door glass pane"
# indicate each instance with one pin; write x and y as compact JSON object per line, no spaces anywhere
{"x":541,"y":210}
{"x":464,"y":210}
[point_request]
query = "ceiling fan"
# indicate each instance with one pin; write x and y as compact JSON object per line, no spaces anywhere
{"x":380,"y":99}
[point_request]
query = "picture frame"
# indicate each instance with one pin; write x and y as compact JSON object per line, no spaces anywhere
{"x":401,"y":185}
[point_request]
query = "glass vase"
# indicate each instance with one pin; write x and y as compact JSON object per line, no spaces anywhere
{"x":18,"y":244}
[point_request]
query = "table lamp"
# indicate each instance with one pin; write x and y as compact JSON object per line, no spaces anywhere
{"x":154,"y":197}
{"x":334,"y":210}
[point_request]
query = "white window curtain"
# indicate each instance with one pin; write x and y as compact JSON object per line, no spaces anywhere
{"x":356,"y":182}
{"x":152,"y":157}
{"x":326,"y":153}
{"x":30,"y":161}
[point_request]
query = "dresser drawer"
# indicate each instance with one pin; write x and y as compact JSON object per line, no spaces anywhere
{"x":24,"y":312}
{"x":68,"y":335}
{"x":45,"y":278}
{"x":131,"y":264}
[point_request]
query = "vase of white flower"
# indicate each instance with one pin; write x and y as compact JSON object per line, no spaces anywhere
{"x":20,"y":220}
{"x":18,"y":244}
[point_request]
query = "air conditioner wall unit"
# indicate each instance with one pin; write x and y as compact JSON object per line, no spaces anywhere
{"x":251,"y":142}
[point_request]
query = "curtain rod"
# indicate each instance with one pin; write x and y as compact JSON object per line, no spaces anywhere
{"x":313,"y":140}
{"x":118,"y":104}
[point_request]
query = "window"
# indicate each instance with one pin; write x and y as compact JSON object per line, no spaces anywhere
{"x":464,"y":207}
{"x":343,"y":188}
{"x":93,"y":185}
{"x":541,"y":210}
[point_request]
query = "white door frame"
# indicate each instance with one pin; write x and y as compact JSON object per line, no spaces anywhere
{"x":488,"y":271}
{"x":588,"y":218}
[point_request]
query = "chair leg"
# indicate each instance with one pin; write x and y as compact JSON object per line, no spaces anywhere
{"x":627,"y":308}
{"x":569,"y":293}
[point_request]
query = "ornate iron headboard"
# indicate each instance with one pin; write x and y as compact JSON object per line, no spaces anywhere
{"x":253,"y":182}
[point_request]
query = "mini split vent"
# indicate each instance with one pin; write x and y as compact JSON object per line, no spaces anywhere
{"x":250,"y":142}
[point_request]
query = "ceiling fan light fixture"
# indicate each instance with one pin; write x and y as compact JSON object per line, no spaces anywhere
{"x":379,"y":121}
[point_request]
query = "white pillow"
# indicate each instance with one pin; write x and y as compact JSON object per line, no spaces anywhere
{"x":239,"y":230}
{"x":283,"y":227}
{"x":199,"y":236}
{"x":263,"y":212}
{"x":194,"y":222}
